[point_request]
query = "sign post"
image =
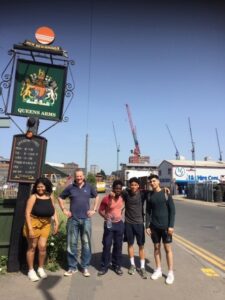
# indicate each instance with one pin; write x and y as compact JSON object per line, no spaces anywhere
{"x":39,"y":71}
{"x":26,"y":164}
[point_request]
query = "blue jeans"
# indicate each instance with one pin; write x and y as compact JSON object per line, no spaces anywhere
{"x":76,"y":227}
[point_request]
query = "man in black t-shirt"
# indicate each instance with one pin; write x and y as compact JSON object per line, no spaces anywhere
{"x":160,"y":216}
{"x":134,"y":224}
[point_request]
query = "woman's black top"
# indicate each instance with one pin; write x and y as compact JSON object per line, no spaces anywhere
{"x":43,"y":208}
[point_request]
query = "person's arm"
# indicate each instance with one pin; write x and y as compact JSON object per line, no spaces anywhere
{"x":94,"y":195}
{"x":92,"y":211}
{"x":55,"y":217}
{"x":166,"y":190}
{"x":65,"y":194}
{"x":63,"y":208}
{"x":123,"y":209}
{"x":29,"y":206}
{"x":148,"y":215}
{"x":172,"y":212}
{"x":102,"y":208}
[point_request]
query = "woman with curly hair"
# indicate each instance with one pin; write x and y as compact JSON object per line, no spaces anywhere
{"x":40,"y":209}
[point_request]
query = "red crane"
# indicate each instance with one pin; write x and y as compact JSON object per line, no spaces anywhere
{"x":136,"y":150}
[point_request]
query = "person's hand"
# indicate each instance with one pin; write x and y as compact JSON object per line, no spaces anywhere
{"x":167,"y":190}
{"x":148,"y":231}
{"x":112,"y":194}
{"x":55,"y":228}
{"x":67,"y":213}
{"x":31,"y":234}
{"x":90,"y":213}
{"x":170,"y":231}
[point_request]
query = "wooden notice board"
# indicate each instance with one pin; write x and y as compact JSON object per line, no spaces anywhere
{"x":27,"y":158}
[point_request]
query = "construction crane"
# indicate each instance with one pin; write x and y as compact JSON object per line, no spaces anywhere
{"x":192,"y":141}
{"x":218,"y":142}
{"x":117,"y":148}
{"x":177,"y":154}
{"x":136,"y":152}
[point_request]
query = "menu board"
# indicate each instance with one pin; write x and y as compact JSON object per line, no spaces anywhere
{"x":27,"y":158}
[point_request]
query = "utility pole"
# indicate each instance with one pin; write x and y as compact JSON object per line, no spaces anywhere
{"x":117,"y":149}
{"x":218,"y":142}
{"x":193,"y":158}
{"x":86,"y":155}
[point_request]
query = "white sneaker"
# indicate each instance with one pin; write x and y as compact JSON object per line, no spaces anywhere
{"x":70,"y":272}
{"x":86,"y":273}
{"x":170,"y":278}
{"x":156,"y":275}
{"x":41,"y":272}
{"x":32,"y":275}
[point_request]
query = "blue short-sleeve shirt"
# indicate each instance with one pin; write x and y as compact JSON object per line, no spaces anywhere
{"x":79,"y":198}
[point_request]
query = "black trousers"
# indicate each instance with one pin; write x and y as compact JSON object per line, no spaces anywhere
{"x":112,"y":236}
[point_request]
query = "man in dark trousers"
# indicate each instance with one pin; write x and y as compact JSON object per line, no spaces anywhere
{"x":160,"y":216}
{"x":111,"y":209}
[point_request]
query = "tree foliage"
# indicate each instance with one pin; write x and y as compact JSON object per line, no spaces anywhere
{"x":91,"y":179}
{"x":103,"y":174}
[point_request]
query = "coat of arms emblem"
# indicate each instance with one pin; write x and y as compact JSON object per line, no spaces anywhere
{"x":39,"y":89}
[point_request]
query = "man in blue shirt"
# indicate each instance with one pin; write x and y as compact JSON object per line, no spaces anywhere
{"x":79,"y":221}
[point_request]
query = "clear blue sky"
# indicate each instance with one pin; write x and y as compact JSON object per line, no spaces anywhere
{"x":167,"y":61}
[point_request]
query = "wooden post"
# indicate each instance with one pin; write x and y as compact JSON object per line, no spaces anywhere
{"x":16,"y":245}
{"x":17,"y":249}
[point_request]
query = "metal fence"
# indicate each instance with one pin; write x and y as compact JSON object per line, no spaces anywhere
{"x":201,"y":191}
{"x":8,"y":193}
{"x":206,"y":191}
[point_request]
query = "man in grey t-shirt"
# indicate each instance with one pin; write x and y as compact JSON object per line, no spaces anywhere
{"x":134,"y":224}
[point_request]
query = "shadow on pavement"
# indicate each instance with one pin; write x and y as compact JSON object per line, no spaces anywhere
{"x":47,"y":284}
{"x":96,"y":262}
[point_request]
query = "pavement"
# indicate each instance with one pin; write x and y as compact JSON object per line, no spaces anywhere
{"x":192,"y":280}
{"x":198,"y":202}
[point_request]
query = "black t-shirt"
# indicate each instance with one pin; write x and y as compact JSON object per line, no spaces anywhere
{"x":160,"y":210}
{"x":134,"y":212}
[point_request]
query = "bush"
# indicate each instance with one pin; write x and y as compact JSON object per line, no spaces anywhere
{"x":56,"y":247}
{"x":3,"y":264}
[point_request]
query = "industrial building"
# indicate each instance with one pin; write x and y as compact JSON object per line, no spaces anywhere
{"x":140,"y":170}
{"x":179,"y":173}
{"x":4,"y":167}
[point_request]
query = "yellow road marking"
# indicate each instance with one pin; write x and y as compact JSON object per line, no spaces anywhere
{"x":216,"y":261}
{"x":209,"y":272}
{"x":220,"y":260}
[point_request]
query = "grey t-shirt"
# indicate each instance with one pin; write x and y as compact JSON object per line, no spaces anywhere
{"x":134,"y":212}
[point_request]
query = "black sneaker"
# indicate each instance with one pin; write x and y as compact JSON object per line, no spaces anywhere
{"x":118,"y":271}
{"x":102,"y":272}
{"x":143,"y":273}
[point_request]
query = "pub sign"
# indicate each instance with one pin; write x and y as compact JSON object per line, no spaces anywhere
{"x":39,"y":90}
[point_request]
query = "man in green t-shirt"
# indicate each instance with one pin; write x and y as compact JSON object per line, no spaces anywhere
{"x":160,"y":217}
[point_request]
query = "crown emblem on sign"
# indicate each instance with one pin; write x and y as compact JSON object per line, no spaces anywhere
{"x":41,"y":74}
